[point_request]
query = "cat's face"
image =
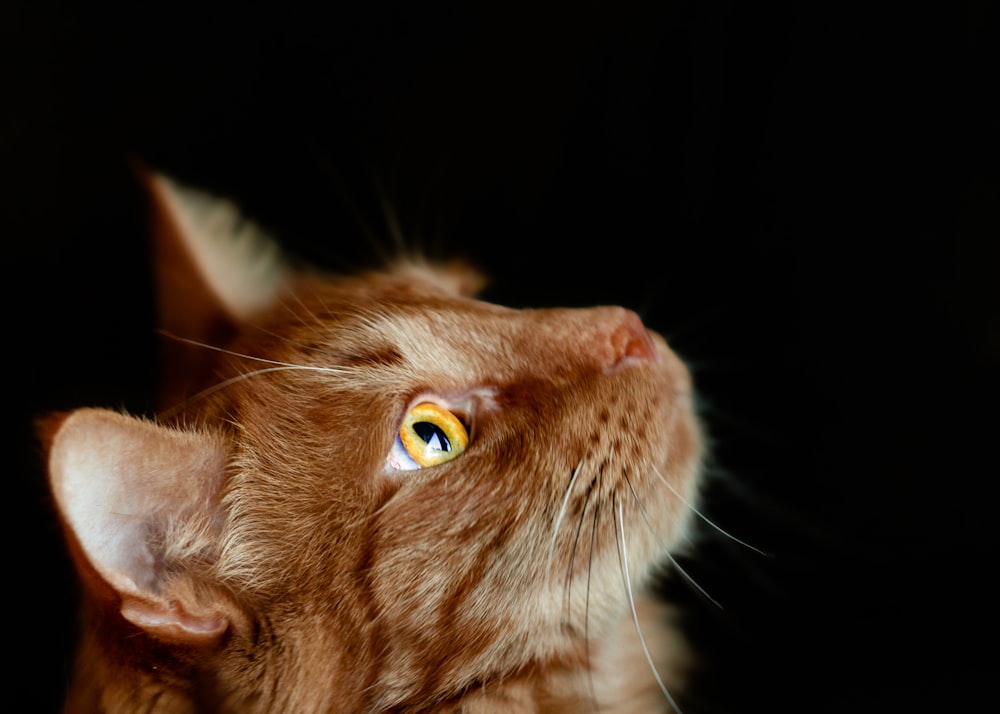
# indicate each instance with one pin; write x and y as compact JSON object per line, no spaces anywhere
{"x":390,"y":493}
{"x":574,"y":419}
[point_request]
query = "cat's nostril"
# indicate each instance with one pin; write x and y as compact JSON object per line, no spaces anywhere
{"x":630,"y":341}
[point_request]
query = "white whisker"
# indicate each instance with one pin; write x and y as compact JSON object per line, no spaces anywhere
{"x":708,"y":520}
{"x":571,"y":565}
{"x":167,"y":413}
{"x":692,"y":582}
{"x":393,"y":225}
{"x":313,"y":324}
{"x":623,"y":557}
{"x":562,"y":513}
{"x":586,"y":611}
{"x":666,"y":550}
{"x":286,"y":340}
{"x":287,"y":365}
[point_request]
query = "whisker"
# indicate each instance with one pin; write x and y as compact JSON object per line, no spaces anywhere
{"x":562,"y":513}
{"x":168,"y":413}
{"x":567,"y":585}
{"x":623,"y":559}
{"x":392,"y":223}
{"x":586,"y":610}
{"x":357,"y":213}
{"x":288,"y":365}
{"x":708,"y":520}
{"x":297,"y":343}
{"x":666,"y":551}
{"x":313,"y":324}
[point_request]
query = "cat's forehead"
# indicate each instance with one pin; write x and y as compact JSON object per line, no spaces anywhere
{"x":400,"y":308}
{"x":401,"y":284}
{"x":387,"y":320}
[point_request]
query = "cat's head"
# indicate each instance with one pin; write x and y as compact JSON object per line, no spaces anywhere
{"x":366,"y":492}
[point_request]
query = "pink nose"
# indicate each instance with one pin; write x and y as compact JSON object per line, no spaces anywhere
{"x":630,"y":341}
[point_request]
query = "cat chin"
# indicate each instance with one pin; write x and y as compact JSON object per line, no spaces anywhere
{"x":631,"y":666}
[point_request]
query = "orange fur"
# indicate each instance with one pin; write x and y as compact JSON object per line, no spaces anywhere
{"x":250,"y":550}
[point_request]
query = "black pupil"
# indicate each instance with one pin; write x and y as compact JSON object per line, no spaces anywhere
{"x":433,"y":435}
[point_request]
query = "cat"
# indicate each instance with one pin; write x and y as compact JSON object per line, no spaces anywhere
{"x":374,"y":492}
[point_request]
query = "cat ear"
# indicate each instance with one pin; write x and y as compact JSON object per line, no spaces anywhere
{"x":204,"y":238}
{"x":212,"y":268}
{"x":139,"y":501}
{"x":456,"y":276}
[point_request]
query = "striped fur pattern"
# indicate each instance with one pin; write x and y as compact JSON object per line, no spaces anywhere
{"x":250,"y":549}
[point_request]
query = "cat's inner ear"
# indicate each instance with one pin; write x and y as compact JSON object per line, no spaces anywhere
{"x":205,"y":249}
{"x":140,"y":502}
{"x":213,"y":268}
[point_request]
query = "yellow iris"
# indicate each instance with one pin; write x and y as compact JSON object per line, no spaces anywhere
{"x":432,"y":435}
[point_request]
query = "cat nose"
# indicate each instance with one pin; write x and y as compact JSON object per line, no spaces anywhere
{"x":628,"y":341}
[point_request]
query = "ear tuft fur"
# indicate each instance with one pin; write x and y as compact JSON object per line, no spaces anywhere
{"x":456,"y":276}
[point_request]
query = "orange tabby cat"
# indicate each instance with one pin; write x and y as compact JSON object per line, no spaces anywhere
{"x":374,"y":493}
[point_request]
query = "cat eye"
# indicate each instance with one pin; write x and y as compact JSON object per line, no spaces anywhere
{"x":429,"y":435}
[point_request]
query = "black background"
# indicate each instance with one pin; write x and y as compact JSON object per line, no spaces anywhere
{"x":803,"y":198}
